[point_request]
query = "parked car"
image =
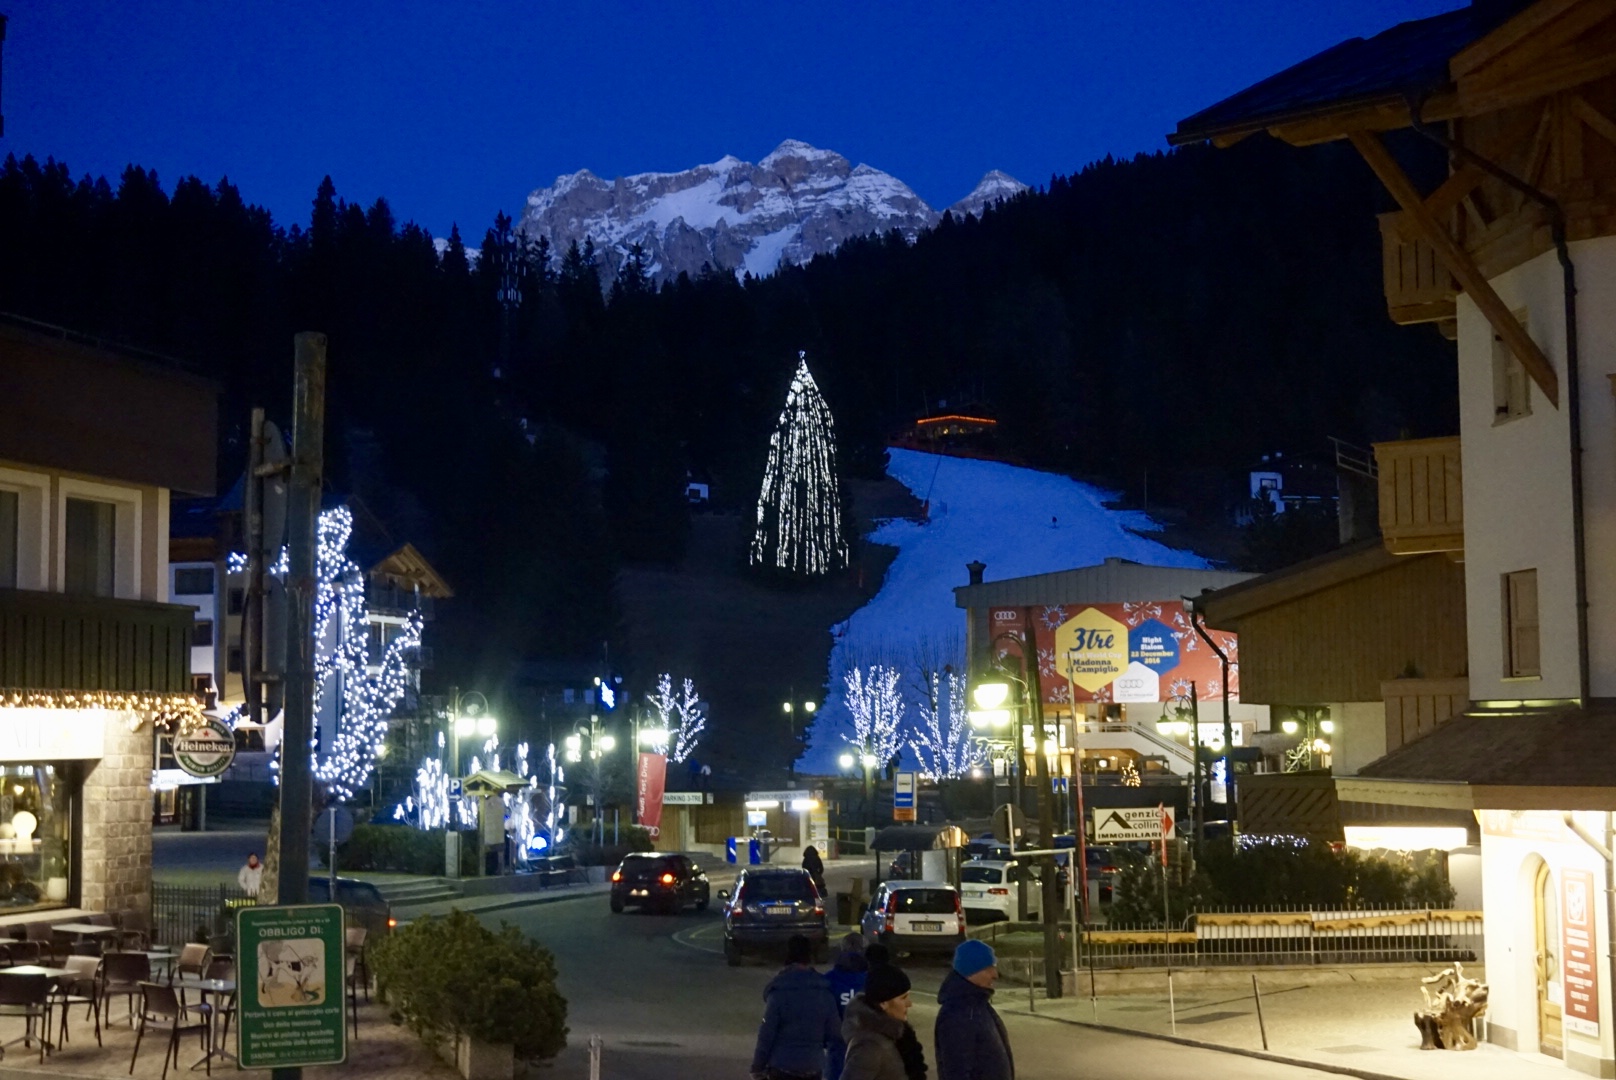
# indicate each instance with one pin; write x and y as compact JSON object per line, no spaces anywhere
{"x":915,"y":916}
{"x":362,"y":904}
{"x":767,"y":906}
{"x":986,"y":847}
{"x":988,"y":889}
{"x":650,"y":879}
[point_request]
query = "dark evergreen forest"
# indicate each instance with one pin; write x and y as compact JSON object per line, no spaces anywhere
{"x":1175,"y":315}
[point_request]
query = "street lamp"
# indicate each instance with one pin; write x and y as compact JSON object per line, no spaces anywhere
{"x":468,"y":716}
{"x":790,"y":707}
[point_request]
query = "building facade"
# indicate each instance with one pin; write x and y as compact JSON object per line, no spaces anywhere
{"x":94,"y":661}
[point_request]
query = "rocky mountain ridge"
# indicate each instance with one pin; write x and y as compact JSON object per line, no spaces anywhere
{"x":797,"y":202}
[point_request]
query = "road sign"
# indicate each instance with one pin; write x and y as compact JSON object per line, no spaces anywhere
{"x":903,"y":791}
{"x":290,"y":971}
{"x":1058,"y":784}
{"x":334,"y":825}
{"x":1115,"y":824}
{"x":456,"y":787}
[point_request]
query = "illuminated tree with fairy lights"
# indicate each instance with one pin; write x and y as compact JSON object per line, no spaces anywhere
{"x":799,"y":512}
{"x":877,"y":708}
{"x":366,"y":690}
{"x":681,"y":717}
{"x":943,"y":740}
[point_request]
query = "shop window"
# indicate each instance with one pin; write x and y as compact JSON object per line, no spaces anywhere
{"x":90,"y":547}
{"x":202,"y":634}
{"x":193,"y":581}
{"x":1521,"y":656}
{"x":9,"y":510}
{"x":35,"y":824}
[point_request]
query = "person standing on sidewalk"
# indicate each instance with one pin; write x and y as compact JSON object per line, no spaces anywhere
{"x":971,"y":1041}
{"x":876,"y":1020}
{"x":251,"y":875}
{"x":800,"y":1019}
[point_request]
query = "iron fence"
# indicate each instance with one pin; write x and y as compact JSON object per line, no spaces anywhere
{"x":182,"y":914}
{"x":1269,"y":936}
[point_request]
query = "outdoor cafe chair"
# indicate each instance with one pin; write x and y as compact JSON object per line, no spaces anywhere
{"x":52,"y":946}
{"x":134,"y":930}
{"x":160,"y":1008}
{"x":121,"y":976}
{"x":25,"y":952}
{"x":193,"y":961}
{"x":80,"y":986}
{"x":220,"y":966}
{"x":27,"y":996}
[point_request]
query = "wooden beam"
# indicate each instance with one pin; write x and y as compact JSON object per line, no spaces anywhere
{"x":1596,"y":121}
{"x":1459,"y":263}
{"x":1515,"y":31}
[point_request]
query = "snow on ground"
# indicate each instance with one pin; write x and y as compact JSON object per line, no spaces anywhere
{"x":1017,"y":521}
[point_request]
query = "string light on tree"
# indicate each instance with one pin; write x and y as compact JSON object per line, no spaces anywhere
{"x":877,"y":707}
{"x":799,"y":512}
{"x":680,"y":719}
{"x":943,"y":740}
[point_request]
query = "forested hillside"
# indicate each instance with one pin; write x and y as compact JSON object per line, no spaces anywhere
{"x":1178,"y":314}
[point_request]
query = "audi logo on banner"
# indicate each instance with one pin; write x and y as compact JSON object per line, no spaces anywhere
{"x":1005,"y":615}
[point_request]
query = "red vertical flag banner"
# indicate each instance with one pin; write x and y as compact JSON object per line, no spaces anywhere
{"x":653,"y":775}
{"x":1580,"y":977}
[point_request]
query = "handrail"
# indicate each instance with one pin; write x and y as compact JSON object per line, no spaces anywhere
{"x":1131,"y":727}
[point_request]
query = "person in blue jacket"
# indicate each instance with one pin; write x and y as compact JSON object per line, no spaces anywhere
{"x":846,"y":978}
{"x":800,"y":1020}
{"x":971,"y":1041}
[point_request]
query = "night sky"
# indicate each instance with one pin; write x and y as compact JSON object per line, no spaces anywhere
{"x":453,"y":111}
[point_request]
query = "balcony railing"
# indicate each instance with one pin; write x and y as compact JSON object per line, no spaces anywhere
{"x":1419,"y":288}
{"x":54,"y":641}
{"x":1421,"y":496}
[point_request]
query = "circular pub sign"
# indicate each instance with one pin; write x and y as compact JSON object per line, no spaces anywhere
{"x":207,"y":750}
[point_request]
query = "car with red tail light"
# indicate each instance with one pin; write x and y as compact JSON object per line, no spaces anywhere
{"x":915,"y":917}
{"x":665,"y":882}
{"x":767,"y":907}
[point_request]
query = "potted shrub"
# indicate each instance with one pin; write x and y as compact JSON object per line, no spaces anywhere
{"x":487,"y":998}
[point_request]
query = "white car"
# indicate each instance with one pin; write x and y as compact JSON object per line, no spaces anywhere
{"x":915,"y":917}
{"x":988,"y":889}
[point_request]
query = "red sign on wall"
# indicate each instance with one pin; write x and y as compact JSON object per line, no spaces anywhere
{"x":653,"y":776}
{"x":1580,"y":978}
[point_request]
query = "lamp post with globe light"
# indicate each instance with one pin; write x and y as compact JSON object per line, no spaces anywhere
{"x":791,"y":707}
{"x":601,"y":743}
{"x":468,"y":717}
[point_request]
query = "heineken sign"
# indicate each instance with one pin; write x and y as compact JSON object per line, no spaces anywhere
{"x":206,"y":750}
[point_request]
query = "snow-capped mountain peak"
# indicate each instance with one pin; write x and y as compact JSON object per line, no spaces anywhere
{"x":993,"y":186}
{"x":797,"y":202}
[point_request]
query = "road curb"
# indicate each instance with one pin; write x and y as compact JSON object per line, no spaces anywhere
{"x":1261,"y":1055}
{"x":516,"y":901}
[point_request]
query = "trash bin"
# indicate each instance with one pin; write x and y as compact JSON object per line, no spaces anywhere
{"x":845,"y":908}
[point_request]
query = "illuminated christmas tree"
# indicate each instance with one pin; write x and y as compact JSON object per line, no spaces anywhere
{"x":799,"y":513}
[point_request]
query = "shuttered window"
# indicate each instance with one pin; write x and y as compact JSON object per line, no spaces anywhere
{"x":1521,"y":655}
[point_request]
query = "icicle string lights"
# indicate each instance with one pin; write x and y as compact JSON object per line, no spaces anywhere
{"x":799,"y":511}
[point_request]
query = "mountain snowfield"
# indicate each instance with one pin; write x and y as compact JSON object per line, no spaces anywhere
{"x":798,"y":202}
{"x":1018,"y":521}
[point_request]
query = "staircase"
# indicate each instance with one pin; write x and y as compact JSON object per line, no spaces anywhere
{"x":1141,"y":739}
{"x":408,"y":892}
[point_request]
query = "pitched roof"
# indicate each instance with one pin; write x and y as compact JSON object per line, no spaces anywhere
{"x":1114,"y":581}
{"x":1409,"y":58}
{"x":1560,"y":748}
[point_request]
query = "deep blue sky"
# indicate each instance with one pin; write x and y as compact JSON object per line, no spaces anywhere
{"x":456,"y":110}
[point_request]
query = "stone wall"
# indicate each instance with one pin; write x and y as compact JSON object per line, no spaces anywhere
{"x":116,"y":848}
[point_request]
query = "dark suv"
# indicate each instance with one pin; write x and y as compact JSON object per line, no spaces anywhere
{"x":362,"y":903}
{"x":653,"y":880}
{"x":769,"y":905}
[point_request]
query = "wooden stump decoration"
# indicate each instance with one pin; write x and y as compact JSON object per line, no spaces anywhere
{"x":1452,"y":1003}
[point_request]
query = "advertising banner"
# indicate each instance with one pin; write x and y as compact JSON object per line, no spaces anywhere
{"x":1124,"y":823}
{"x":1580,"y":953}
{"x":653,"y":776}
{"x":1131,"y":652}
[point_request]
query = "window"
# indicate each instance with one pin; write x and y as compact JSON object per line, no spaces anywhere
{"x":236,"y":601}
{"x":202,"y":634}
{"x":90,"y":549}
{"x":9,"y":504}
{"x":1521,"y":659}
{"x":567,"y":695}
{"x":1512,"y":392}
{"x":233,"y":659}
{"x":194,"y":581}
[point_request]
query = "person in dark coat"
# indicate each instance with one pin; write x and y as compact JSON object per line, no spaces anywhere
{"x":846,"y":978}
{"x":815,"y":866}
{"x":909,"y":1048}
{"x":971,"y":1041}
{"x":800,"y":1020}
{"x":876,"y":1020}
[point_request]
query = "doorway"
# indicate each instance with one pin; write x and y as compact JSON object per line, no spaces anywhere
{"x":1546,"y":920}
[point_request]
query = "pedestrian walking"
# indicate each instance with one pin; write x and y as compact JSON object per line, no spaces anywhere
{"x":875,"y":1022}
{"x":846,"y":978}
{"x":799,"y":1019}
{"x":970,"y":1038}
{"x":909,"y":1048}
{"x":251,"y":875}
{"x":815,"y":866}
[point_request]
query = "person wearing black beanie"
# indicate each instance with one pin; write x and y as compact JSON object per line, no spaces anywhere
{"x":875,"y":1021}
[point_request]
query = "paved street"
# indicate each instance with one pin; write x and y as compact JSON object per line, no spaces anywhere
{"x":657,"y":990}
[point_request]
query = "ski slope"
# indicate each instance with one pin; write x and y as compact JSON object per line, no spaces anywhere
{"x":1018,"y":521}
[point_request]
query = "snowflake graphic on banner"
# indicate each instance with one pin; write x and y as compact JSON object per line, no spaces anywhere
{"x":1060,"y":694}
{"x":1136,"y":613}
{"x":1053,"y":617}
{"x":1187,"y":636}
{"x":1179,"y":689}
{"x":1046,"y":663}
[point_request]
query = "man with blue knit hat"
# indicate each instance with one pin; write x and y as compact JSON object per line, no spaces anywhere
{"x":970,"y":1038}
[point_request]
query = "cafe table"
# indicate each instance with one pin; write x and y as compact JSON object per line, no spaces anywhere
{"x":84,"y":930}
{"x":52,"y":973}
{"x":220,"y":990}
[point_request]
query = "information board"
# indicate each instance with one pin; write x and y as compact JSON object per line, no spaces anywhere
{"x":1580,"y":955}
{"x":1118,"y":824}
{"x":290,"y":970}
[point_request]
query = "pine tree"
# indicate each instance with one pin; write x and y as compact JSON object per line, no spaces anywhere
{"x":799,"y":513}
